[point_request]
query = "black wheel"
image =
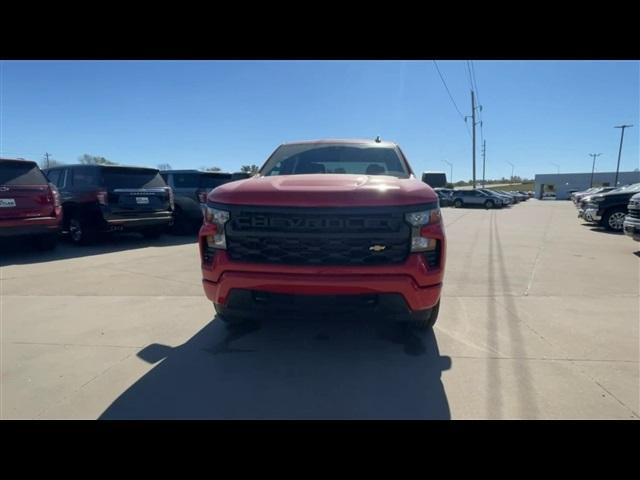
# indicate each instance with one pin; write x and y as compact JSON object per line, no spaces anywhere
{"x":46,"y":242}
{"x":489,"y":204}
{"x":457,"y":203}
{"x":425,"y":319}
{"x":614,"y":218}
{"x":182,"y":225}
{"x":80,"y":232}
{"x":226,"y":317}
{"x":152,"y":233}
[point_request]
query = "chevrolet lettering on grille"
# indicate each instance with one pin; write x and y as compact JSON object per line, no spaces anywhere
{"x":293,"y":223}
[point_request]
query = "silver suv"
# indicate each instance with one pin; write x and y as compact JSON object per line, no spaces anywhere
{"x":469,"y":198}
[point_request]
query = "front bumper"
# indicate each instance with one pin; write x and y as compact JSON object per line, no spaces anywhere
{"x":592,"y":215}
{"x":419,"y":284}
{"x":631,"y":227}
{"x":416,"y":297}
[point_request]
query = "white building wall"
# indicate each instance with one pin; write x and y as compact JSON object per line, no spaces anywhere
{"x":564,"y":183}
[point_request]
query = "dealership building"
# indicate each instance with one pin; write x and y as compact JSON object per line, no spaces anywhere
{"x":564,"y":184}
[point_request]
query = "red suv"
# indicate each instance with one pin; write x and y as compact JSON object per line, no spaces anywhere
{"x":29,"y":204}
{"x":326,"y":224}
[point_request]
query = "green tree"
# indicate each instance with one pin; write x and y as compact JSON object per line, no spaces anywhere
{"x":87,"y":159}
{"x":252,"y":169}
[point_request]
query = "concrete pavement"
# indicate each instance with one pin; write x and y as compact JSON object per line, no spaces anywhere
{"x":539,"y":319}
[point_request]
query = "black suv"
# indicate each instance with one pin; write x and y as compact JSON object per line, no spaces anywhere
{"x":101,"y":198}
{"x":190,"y":188}
{"x":609,"y":209}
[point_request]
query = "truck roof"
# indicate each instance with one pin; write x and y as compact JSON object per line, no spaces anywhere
{"x":94,"y":165}
{"x":22,"y":160}
{"x":345,"y":141}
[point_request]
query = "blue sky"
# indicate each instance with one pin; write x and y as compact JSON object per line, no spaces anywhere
{"x":230,"y":113}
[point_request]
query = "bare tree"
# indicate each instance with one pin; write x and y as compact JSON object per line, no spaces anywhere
{"x":164,"y":166}
{"x":87,"y":159}
{"x":49,"y":162}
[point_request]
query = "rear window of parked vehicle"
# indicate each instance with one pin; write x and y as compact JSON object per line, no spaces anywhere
{"x":199,"y":180}
{"x":114,"y":177}
{"x":84,"y":177}
{"x":20,"y":173}
{"x":331,"y":158}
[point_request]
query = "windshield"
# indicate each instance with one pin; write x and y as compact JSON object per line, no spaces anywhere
{"x":334,"y":158}
{"x":20,"y":173}
{"x":132,"y":178}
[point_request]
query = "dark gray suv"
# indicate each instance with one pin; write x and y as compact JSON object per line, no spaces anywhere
{"x":190,"y":188}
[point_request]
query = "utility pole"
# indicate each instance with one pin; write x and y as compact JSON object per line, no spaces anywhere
{"x":473,"y":121}
{"x":615,"y":183}
{"x":46,"y":156}
{"x":593,"y":167}
{"x":484,"y":151}
{"x":557,"y":166}
{"x":451,"y":165}
{"x":511,"y":171}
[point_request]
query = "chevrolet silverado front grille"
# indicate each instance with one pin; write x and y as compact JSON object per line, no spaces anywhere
{"x":295,"y":236}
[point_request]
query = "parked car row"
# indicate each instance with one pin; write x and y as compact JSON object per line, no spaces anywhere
{"x":479,"y":197}
{"x":616,"y":209}
{"x":86,"y":201}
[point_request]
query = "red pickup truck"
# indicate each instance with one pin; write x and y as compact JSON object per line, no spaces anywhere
{"x":325,"y":224}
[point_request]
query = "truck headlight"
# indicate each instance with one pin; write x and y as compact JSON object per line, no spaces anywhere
{"x":425,"y":217}
{"x":417,"y":220}
{"x":218,"y":219}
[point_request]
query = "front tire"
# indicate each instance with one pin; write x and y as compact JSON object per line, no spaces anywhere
{"x":489,"y":204}
{"x":425,"y":319}
{"x":226,"y":317}
{"x":613,"y":219}
{"x":80,"y":232}
{"x":457,"y":203}
{"x":182,"y":224}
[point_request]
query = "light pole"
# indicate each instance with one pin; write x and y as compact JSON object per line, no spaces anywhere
{"x":557,"y":166}
{"x":615,"y":183}
{"x":511,"y":170}
{"x":450,"y":165}
{"x":593,"y":167}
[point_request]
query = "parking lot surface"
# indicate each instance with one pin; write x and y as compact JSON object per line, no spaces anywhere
{"x":539,"y":320}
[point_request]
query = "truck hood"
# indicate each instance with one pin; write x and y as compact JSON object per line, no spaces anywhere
{"x":324,"y":190}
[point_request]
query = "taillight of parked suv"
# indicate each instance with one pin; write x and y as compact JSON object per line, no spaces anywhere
{"x":57,"y":203}
{"x":103,"y":197}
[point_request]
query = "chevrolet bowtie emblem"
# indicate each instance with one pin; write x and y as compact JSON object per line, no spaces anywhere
{"x":377,"y":248}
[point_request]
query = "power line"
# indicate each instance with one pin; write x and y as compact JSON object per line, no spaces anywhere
{"x":469,"y":72}
{"x":474,"y":87}
{"x":475,"y":83}
{"x":450,"y":96}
